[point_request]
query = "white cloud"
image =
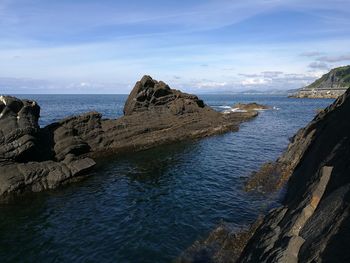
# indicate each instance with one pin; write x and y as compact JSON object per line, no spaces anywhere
{"x":254,"y":82}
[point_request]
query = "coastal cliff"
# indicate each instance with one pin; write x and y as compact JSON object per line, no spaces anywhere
{"x":313,"y":222}
{"x":33,"y":159}
{"x":313,"y":225}
{"x":331,"y":85}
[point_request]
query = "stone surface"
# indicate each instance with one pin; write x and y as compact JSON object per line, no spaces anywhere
{"x":35,"y":159}
{"x":313,"y":222}
{"x":316,"y":222}
{"x":151,"y":95}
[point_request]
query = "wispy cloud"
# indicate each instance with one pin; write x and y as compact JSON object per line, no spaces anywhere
{"x":318,"y":65}
{"x":334,"y":58}
{"x":311,"y":54}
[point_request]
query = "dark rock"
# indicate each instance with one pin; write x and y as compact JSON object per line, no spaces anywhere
{"x":35,"y":159}
{"x":149,"y":94}
{"x":18,"y":128}
{"x":223,"y":245}
{"x":314,"y":226}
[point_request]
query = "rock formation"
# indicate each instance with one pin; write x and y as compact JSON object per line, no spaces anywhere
{"x":331,"y":85}
{"x":313,"y":225}
{"x":34,"y":158}
{"x":313,"y":222}
{"x":250,"y":106}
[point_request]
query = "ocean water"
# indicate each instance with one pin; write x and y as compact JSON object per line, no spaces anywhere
{"x":150,"y":206}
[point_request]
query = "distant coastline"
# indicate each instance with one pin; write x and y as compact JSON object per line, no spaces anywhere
{"x":329,"y":86}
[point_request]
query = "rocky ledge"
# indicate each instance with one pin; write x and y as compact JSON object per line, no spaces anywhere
{"x":313,"y":222}
{"x":250,"y":106}
{"x":34,"y":159}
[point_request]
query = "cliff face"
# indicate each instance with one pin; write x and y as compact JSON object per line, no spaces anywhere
{"x":35,"y":159}
{"x":313,"y":225}
{"x":331,"y":85}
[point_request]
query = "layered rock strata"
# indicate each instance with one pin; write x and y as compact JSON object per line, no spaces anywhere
{"x":313,"y":222}
{"x":313,"y":225}
{"x":35,"y":159}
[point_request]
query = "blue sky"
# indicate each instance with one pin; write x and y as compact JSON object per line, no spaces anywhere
{"x":197,"y":46}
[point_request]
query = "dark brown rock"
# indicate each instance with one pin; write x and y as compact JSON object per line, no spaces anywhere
{"x":34,"y":159}
{"x":149,"y":94}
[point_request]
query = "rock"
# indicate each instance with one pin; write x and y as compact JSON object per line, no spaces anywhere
{"x":250,"y":106}
{"x":315,"y":224}
{"x":223,"y":245}
{"x":34,"y":159}
{"x":149,"y":94}
{"x":18,"y":128}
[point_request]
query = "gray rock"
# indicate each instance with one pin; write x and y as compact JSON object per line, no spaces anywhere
{"x":316,"y":223}
{"x":34,"y":159}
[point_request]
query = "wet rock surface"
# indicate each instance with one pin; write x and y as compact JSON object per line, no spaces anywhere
{"x":35,"y":159}
{"x":313,"y":224}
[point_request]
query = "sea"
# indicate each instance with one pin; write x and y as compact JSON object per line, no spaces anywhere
{"x":152,"y":205}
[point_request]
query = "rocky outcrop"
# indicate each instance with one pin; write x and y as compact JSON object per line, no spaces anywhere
{"x":149,"y":94}
{"x":250,"y":106}
{"x":330,"y":85}
{"x":34,"y":158}
{"x":313,"y":225}
{"x":313,"y":222}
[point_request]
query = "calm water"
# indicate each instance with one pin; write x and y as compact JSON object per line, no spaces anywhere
{"x":149,"y":206}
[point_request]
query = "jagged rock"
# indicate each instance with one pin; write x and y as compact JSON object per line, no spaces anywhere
{"x":315,"y":224}
{"x":149,"y":94}
{"x":18,"y":127}
{"x":35,"y":159}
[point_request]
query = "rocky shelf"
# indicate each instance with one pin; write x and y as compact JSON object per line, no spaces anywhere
{"x":313,"y":222}
{"x":33,"y":159}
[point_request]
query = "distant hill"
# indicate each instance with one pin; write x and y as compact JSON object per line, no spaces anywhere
{"x":330,"y":85}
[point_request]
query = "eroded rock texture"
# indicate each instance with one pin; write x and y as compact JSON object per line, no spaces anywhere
{"x":149,"y":94}
{"x":34,"y":158}
{"x":30,"y":158}
{"x":313,"y":225}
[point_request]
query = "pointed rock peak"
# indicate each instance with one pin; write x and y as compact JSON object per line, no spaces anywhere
{"x":157,"y":95}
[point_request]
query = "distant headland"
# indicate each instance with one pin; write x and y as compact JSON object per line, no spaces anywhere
{"x":331,"y":85}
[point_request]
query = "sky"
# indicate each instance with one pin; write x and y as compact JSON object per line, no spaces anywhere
{"x":105,"y":46}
